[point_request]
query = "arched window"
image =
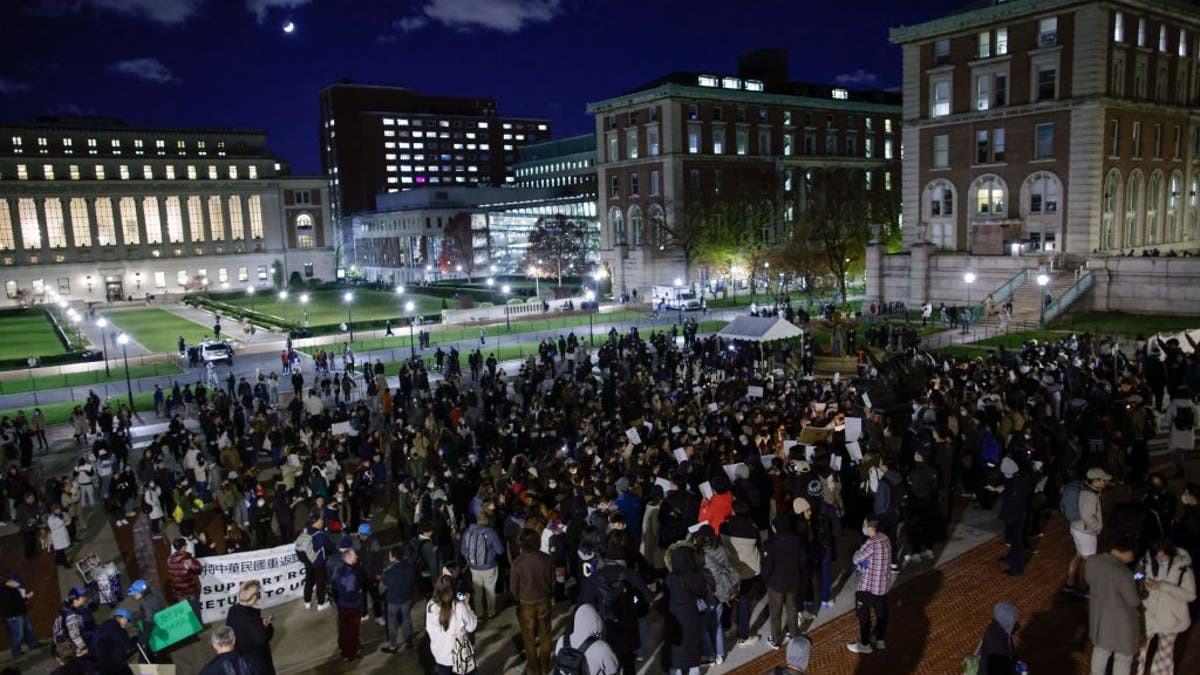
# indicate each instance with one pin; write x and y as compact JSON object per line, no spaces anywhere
{"x":1110,"y":206}
{"x":990,"y":195}
{"x":1174,"y":197}
{"x":1192,"y":231}
{"x":304,"y":231}
{"x":939,"y":199}
{"x":1133,"y":210}
{"x":1153,"y":207}
{"x":616,"y":221}
{"x":658,"y":223}
{"x":635,"y":225}
{"x":1044,"y":193}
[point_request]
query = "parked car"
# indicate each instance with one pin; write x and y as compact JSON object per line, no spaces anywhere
{"x":215,"y":350}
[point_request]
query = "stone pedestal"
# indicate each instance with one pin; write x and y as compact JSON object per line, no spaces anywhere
{"x":874,"y":271}
{"x":918,"y":285}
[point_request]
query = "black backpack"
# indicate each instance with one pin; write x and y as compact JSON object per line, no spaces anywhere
{"x":572,"y":660}
{"x":613,"y":595}
{"x":1185,"y":418}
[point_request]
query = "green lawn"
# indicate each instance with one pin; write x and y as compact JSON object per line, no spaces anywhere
{"x":1113,"y":323}
{"x":1015,"y":339}
{"x":60,"y":413}
{"x":327,"y":306}
{"x":28,"y":333}
{"x":158,"y":330}
{"x":84,"y":379}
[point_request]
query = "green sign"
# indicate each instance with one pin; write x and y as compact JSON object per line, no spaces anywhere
{"x":175,"y":623}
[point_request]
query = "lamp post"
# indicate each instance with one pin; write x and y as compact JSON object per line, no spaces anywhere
{"x":969,"y":278}
{"x":678,"y":304}
{"x":123,"y":340}
{"x":283,"y":301}
{"x":102,"y":323}
{"x":596,"y":276}
{"x":408,"y":309}
{"x":348,"y":298}
{"x":506,"y":289}
{"x":1042,"y":280}
{"x":304,"y":304}
{"x":534,"y":271}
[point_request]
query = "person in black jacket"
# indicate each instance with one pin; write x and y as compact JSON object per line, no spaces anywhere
{"x":227,"y":661}
{"x":997,"y":651}
{"x":782,"y":562}
{"x":112,"y":646}
{"x":253,"y":630}
{"x":1017,"y":495}
{"x":621,"y":618}
{"x":400,"y":582}
{"x":685,"y":591}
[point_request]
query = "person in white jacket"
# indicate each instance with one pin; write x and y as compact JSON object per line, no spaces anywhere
{"x":449,"y":620}
{"x":152,"y":498}
{"x":1182,"y":417}
{"x":1170,"y":585}
{"x":60,"y":537}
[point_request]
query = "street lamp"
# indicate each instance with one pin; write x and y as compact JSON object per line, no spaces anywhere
{"x":969,"y":278}
{"x":596,"y":276}
{"x":348,"y":298}
{"x":283,"y":301}
{"x":123,"y":340}
{"x":408,"y":309}
{"x":102,"y":323}
{"x":678,"y":303}
{"x":1042,"y":280}
{"x":537,"y":285}
{"x":506,"y":289}
{"x":304,"y":304}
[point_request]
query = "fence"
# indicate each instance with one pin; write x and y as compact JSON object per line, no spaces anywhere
{"x":976,"y":333}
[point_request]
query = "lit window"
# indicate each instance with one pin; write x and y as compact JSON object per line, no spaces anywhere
{"x":1044,"y":148}
{"x":73,"y":170}
{"x":1048,"y":32}
{"x":212,"y":171}
{"x":840,"y":93}
{"x":233,"y":172}
{"x":1118,"y":27}
{"x":709,"y":81}
{"x":22,"y":172}
{"x":153,"y":220}
{"x":147,"y":172}
{"x":191,"y":172}
{"x":718,"y":141}
{"x":941,"y":98}
{"x":237,"y":228}
{"x":123,"y":171}
{"x":99,"y":172}
{"x":48,"y":171}
{"x":1141,"y":36}
{"x":742,"y":142}
{"x":129,"y":221}
{"x":991,"y":197}
{"x":1001,"y":41}
{"x":216,"y":218}
{"x":170,"y":172}
{"x":754,"y":85}
{"x":253,"y":171}
{"x":80,"y":227}
{"x":1183,"y":42}
{"x":1162,"y":38}
{"x":941,"y":51}
{"x":985,"y":44}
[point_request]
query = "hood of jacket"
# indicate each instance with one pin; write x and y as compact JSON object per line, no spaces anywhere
{"x":587,"y":624}
{"x":1006,"y":616}
{"x":680,"y":557}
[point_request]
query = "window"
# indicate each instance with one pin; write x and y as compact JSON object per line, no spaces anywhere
{"x":129,"y":222}
{"x":237,"y":227}
{"x":233,"y":172}
{"x":1178,"y":142}
{"x":616,"y":221}
{"x":983,"y":92}
{"x":941,"y":52}
{"x":868,"y":147}
{"x":1044,"y":147}
{"x":991,"y":197}
{"x":1160,"y":84}
{"x":764,"y":142}
{"x":123,"y":171}
{"x":1174,"y":197}
{"x":940,"y":105}
{"x":1183,"y":42}
{"x":941,"y":151}
{"x":1116,"y":79}
{"x":633,"y":183}
{"x":174,"y":221}
{"x":985,"y":44}
{"x":1157,"y":141}
{"x":718,"y":141}
{"x":196,"y":219}
{"x":160,"y":279}
{"x":941,"y":199}
{"x":308,"y":270}
{"x":830,"y":143}
{"x":1192,"y":232}
{"x":887,"y":148}
{"x":7,"y":240}
{"x":181,"y":277}
{"x":810,"y":142}
{"x":48,"y":171}
{"x":1153,"y":197}
{"x":867,"y":178}
{"x":997,"y":145}
{"x":1043,"y":194}
{"x":252,"y":171}
{"x":613,"y":152}
{"x":652,"y":141}
{"x":1141,"y":35}
{"x":635,"y":225}
{"x":212,"y":172}
{"x":99,"y":168}
{"x":1114,"y":138}
{"x":1047,"y":82}
{"x":614,"y":187}
{"x":1118,"y":27}
{"x":22,"y":172}
{"x":153,"y":220}
{"x":655,"y":183}
{"x":191,"y":172}
{"x":31,"y":229}
{"x":243,"y":273}
{"x":742,"y":142}
{"x":81,"y":231}
{"x":851,"y":143}
{"x":1137,"y":139}
{"x":694,"y":179}
{"x":1109,"y":202}
{"x":56,"y":232}
{"x":1140,"y":76}
{"x":789,"y":140}
{"x":304,"y":231}
{"x":887,"y":180}
{"x":982,"y":147}
{"x":106,"y":226}
{"x":693,"y":140}
{"x":1162,"y":38}
{"x":170,"y":172}
{"x":1048,"y":32}
{"x":216,"y":218}
{"x":254,"y":206}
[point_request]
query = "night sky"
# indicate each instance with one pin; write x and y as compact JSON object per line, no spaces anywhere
{"x":230,"y":63}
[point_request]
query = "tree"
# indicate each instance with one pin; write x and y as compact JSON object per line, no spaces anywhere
{"x":559,"y":241}
{"x":458,"y":245}
{"x":838,"y":211}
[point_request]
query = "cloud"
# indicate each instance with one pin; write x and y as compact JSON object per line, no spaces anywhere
{"x":70,"y":110}
{"x":146,"y":68}
{"x":858,"y":78}
{"x":168,"y":12}
{"x":260,"y":8}
{"x":11,"y":87}
{"x":505,"y":16}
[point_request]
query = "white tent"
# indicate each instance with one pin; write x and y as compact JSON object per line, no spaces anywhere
{"x":759,"y":329}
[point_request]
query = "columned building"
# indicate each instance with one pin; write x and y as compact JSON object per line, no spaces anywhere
{"x":94,"y":209}
{"x":688,"y":142}
{"x":1053,"y":126}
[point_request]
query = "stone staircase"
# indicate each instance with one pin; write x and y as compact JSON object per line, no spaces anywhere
{"x":1026,"y":301}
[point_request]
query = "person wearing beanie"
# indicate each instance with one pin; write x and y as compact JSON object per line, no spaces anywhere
{"x":1016,"y":498}
{"x":112,"y":646}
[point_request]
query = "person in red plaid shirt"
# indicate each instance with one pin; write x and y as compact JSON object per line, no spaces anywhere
{"x":872,"y":561}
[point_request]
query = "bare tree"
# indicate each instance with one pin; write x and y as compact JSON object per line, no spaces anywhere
{"x":838,"y":212}
{"x":560,"y":241}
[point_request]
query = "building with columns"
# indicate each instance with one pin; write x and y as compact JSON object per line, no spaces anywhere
{"x":94,"y":209}
{"x":1050,"y":134}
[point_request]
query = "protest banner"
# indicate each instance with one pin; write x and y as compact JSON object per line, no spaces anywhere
{"x":278,"y":570}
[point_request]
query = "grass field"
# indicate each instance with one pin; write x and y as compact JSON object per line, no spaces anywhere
{"x":158,"y":330}
{"x":1111,"y":323}
{"x":24,"y":384}
{"x":60,"y":413}
{"x":326,"y":306}
{"x":28,"y":333}
{"x":1015,"y":339}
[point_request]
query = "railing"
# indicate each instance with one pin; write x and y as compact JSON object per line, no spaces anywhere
{"x":1002,"y":293}
{"x":1060,"y":304}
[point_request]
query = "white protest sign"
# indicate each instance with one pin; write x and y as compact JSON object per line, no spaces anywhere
{"x":712,"y":407}
{"x":810,"y":451}
{"x":754,"y":391}
{"x":278,"y":570}
{"x":634,"y":437}
{"x":731,"y":471}
{"x":788,"y":445}
{"x":835,"y":462}
{"x":853,"y":428}
{"x":854,"y":451}
{"x":706,"y":490}
{"x":768,"y":461}
{"x":693,"y":529}
{"x":681,"y":455}
{"x":340,"y":428}
{"x":664,"y":484}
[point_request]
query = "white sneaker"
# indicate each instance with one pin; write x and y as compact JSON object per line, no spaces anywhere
{"x":719,"y":660}
{"x":859,"y":648}
{"x":323,"y":607}
{"x":364,"y":618}
{"x":380,"y":621}
{"x":746,"y":642}
{"x":308,"y":605}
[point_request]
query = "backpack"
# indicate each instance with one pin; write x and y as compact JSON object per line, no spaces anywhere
{"x":1185,"y":418}
{"x":58,"y":632}
{"x":989,"y":448}
{"x":1069,"y":501}
{"x":572,"y":660}
{"x":476,"y":547}
{"x":613,"y":595}
{"x":726,"y":580}
{"x":305,"y":548}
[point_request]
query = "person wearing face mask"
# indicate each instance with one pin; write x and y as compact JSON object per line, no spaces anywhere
{"x":1170,"y":585}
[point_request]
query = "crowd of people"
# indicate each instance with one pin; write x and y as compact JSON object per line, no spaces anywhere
{"x":664,"y":473}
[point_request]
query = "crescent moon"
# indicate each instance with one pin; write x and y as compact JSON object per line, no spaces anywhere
{"x":289,"y":27}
